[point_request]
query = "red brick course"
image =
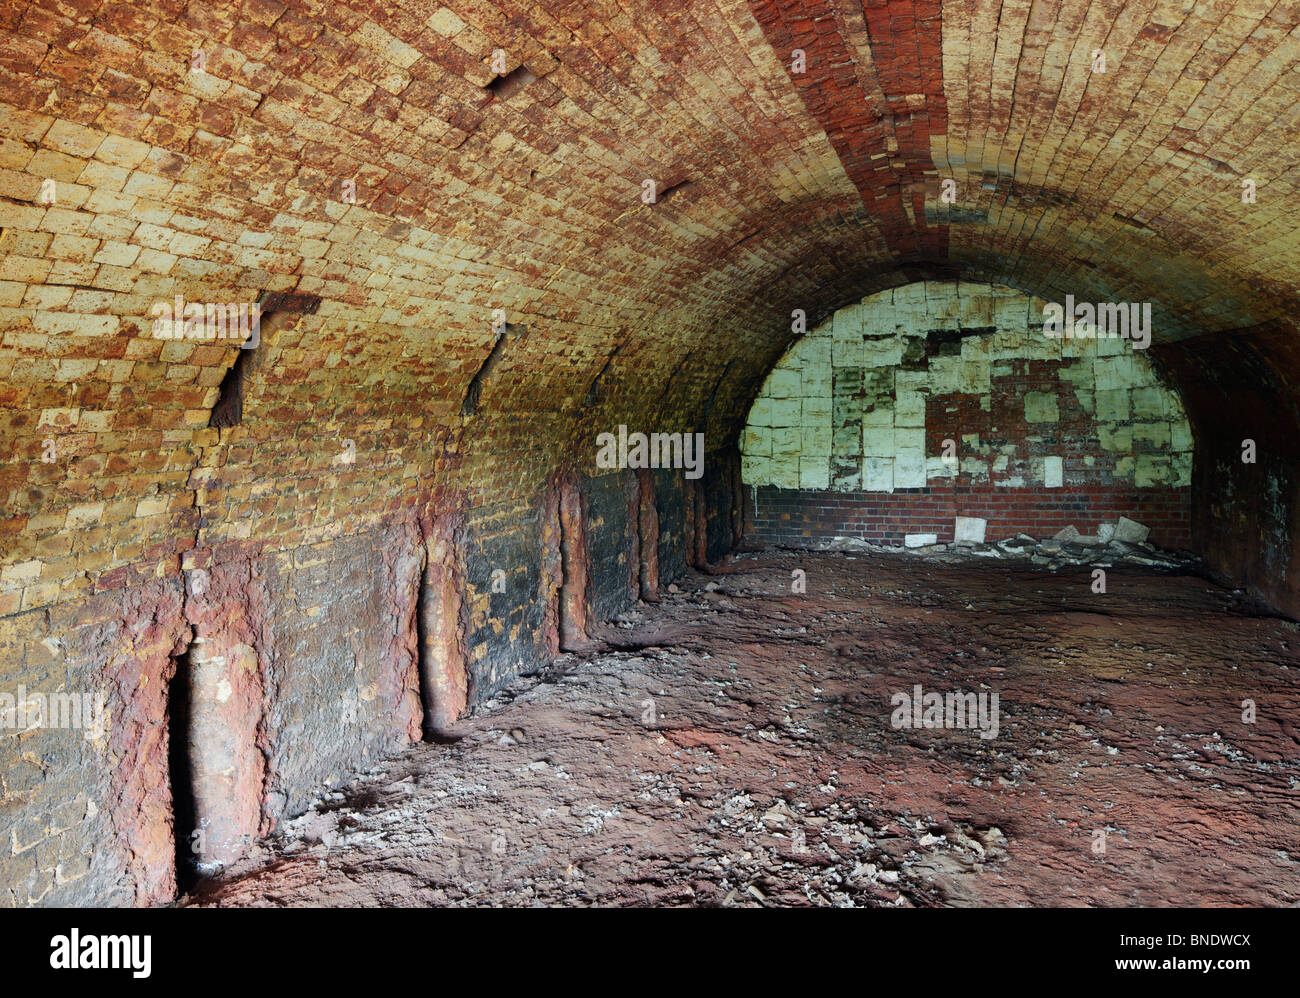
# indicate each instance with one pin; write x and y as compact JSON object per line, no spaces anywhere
{"x":796,"y":516}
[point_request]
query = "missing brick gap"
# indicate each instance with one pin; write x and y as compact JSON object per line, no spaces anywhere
{"x":597,"y":390}
{"x":961,"y":332}
{"x":229,"y":408}
{"x":505,"y":87}
{"x":676,"y":190}
{"x":426,"y":625}
{"x":474,"y":391}
{"x":274,"y":310}
{"x":712,"y":398}
{"x":1133,"y":221}
{"x":672,"y":379}
{"x":180,"y":765}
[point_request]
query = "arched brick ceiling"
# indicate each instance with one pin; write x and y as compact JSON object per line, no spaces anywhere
{"x":1125,"y":183}
{"x":803,"y":191}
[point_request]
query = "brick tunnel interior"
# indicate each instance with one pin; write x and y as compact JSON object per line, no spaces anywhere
{"x":491,"y":452}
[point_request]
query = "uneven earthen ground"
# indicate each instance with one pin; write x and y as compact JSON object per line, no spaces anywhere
{"x":736,"y":748}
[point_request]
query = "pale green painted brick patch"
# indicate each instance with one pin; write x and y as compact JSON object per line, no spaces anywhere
{"x":849,"y":405}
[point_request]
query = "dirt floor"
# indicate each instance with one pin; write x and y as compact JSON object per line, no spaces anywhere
{"x":738,"y":748}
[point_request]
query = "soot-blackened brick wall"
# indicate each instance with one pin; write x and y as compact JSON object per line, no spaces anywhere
{"x":1247,"y":511}
{"x":507,"y":596}
{"x":348,"y":607}
{"x":720,"y":489}
{"x":670,"y":502}
{"x":611,"y":542}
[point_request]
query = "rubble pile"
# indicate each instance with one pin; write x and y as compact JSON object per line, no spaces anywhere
{"x":1122,"y":542}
